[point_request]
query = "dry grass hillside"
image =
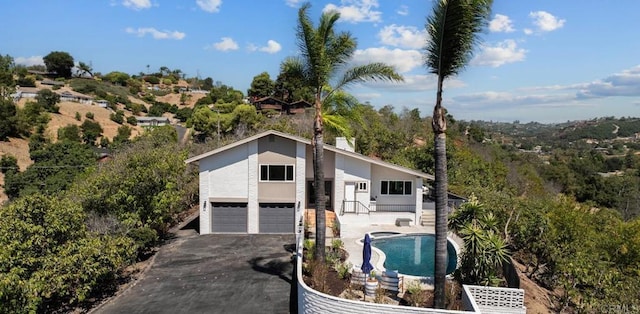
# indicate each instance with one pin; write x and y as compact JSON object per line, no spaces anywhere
{"x":20,"y":147}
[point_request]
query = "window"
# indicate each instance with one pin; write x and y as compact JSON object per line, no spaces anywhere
{"x":361,"y":186}
{"x":395,"y":188}
{"x":276,"y":173}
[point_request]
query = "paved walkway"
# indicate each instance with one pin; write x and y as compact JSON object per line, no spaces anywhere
{"x":215,"y":274}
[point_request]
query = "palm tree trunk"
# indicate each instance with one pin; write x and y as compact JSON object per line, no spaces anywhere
{"x":439,"y":125}
{"x":318,"y":177}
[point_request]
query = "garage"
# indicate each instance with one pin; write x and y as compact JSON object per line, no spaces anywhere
{"x":229,"y":217}
{"x":277,"y":217}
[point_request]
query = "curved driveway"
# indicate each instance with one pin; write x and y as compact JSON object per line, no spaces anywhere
{"x":215,"y":274}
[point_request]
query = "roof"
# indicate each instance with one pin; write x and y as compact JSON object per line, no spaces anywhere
{"x":152,"y":118}
{"x":33,"y":90}
{"x":69,"y":93}
{"x":308,"y":142}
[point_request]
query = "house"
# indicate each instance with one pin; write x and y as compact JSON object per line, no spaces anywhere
{"x":271,"y":104}
{"x":152,"y":121}
{"x":102,"y":103}
{"x":262,"y":184}
{"x":75,"y":97}
{"x":298,"y":107}
{"x":25,"y":92}
{"x":52,"y":82}
{"x":266,"y":104}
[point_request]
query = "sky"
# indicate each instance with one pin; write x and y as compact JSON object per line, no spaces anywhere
{"x":544,"y":60}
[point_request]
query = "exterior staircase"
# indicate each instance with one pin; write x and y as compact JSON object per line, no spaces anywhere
{"x":310,"y":220}
{"x":428,"y":218}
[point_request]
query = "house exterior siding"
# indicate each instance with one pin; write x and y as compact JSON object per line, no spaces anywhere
{"x":275,"y":150}
{"x":230,"y":177}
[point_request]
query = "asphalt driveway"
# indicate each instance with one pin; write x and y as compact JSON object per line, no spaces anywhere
{"x":215,"y":274}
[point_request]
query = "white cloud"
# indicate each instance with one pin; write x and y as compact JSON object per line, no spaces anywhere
{"x":493,"y":99}
{"x":27,"y":61}
{"x":210,"y":6}
{"x":356,"y":11}
{"x":501,"y":23}
{"x":545,"y":22}
{"x":402,"y":60}
{"x":403,"y":36}
{"x":271,"y":47}
{"x":137,"y":4}
{"x":293,"y":3}
{"x":156,"y":34}
{"x":528,"y":31}
{"x":403,"y":10}
{"x":504,"y":52}
{"x":416,"y":83}
{"x":225,"y":44}
{"x":625,"y":83}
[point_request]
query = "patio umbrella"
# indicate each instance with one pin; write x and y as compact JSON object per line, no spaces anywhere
{"x":366,"y":259}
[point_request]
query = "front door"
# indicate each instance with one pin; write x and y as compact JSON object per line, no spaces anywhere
{"x":311,"y":194}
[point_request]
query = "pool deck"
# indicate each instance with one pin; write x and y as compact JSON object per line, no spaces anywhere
{"x":351,"y":235}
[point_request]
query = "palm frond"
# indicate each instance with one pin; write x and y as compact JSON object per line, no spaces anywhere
{"x":368,"y":72}
{"x":454,"y":28}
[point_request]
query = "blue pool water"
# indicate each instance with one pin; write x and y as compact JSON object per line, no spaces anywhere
{"x":413,"y":254}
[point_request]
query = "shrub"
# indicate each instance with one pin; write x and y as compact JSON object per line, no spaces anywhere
{"x":132,"y":120}
{"x":78,"y":116}
{"x":343,"y":269}
{"x":89,"y":115}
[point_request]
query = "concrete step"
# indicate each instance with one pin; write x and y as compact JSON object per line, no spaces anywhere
{"x":428,"y":218}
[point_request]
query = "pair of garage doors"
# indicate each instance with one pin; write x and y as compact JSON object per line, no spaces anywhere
{"x":233,"y":217}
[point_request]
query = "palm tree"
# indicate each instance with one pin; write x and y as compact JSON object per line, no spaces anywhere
{"x":324,"y":55}
{"x":454,"y":29}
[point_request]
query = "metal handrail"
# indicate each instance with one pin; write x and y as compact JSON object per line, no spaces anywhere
{"x":357,"y":208}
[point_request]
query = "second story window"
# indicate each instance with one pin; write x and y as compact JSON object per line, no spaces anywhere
{"x":277,"y":173}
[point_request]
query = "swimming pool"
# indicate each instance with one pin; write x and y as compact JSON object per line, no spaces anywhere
{"x":413,"y":254}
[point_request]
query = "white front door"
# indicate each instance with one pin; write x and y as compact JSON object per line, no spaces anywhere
{"x":349,"y":191}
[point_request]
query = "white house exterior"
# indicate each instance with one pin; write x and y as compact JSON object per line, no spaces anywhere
{"x":262,"y":184}
{"x":152,"y":121}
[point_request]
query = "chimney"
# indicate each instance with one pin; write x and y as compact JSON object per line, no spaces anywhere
{"x":348,"y":145}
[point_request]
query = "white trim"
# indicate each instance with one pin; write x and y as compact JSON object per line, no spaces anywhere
{"x":361,"y":190}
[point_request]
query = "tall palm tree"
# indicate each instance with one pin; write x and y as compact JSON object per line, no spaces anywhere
{"x":324,"y":56}
{"x":454,"y":29}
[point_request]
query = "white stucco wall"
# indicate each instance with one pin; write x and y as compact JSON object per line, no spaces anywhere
{"x":301,"y":201}
{"x":381,"y":173}
{"x":253,"y":214}
{"x":215,"y":183}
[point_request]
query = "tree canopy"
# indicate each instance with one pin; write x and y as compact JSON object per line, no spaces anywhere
{"x":59,"y":62}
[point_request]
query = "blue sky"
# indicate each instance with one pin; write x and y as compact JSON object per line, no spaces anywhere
{"x":542,"y":60}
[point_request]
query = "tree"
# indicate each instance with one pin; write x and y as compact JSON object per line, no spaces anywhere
{"x":324,"y":54}
{"x":7,"y":118}
{"x":84,"y":68}
{"x":70,"y":132}
{"x":117,"y":78}
{"x":454,"y":29}
{"x":7,"y":68}
{"x":48,"y":100}
{"x":261,"y":86}
{"x":91,"y":130}
{"x":59,"y":62}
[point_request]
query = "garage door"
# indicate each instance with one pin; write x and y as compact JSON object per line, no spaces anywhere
{"x":229,"y":217}
{"x":277,"y":218}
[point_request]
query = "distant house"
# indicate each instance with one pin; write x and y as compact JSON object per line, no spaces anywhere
{"x":152,"y":121}
{"x":52,"y":82}
{"x":266,"y":104}
{"x":102,"y":103}
{"x":75,"y":97}
{"x":25,"y":92}
{"x":298,"y":107}
{"x":271,"y":104}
